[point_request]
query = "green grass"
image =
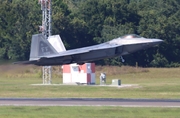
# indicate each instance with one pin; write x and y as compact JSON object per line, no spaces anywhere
{"x":15,"y":81}
{"x":87,"y":112}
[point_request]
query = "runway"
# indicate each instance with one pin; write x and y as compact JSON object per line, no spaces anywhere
{"x":89,"y":102}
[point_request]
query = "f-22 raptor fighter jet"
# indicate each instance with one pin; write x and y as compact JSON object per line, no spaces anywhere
{"x":46,"y":52}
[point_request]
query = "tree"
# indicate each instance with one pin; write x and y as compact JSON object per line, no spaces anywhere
{"x":17,"y":26}
{"x":160,"y":20}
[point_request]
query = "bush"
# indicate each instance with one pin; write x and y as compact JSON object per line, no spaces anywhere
{"x":159,"y":61}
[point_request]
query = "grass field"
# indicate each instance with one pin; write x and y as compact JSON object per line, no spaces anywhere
{"x":15,"y":81}
{"x":87,"y":112}
{"x":163,"y":83}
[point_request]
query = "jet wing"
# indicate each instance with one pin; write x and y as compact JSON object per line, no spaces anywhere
{"x":83,"y":50}
{"x":66,"y":57}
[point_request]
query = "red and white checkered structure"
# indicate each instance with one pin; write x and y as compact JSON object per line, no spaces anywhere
{"x":74,"y":73}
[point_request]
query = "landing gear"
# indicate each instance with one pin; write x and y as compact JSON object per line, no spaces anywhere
{"x":122,"y":59}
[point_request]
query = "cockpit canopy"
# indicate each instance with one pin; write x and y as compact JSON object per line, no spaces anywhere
{"x":130,"y":36}
{"x":126,"y":39}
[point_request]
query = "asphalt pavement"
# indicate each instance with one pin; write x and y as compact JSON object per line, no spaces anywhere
{"x":90,"y":102}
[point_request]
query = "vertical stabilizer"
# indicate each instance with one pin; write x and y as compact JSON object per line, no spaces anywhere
{"x":57,"y":43}
{"x":40,"y":47}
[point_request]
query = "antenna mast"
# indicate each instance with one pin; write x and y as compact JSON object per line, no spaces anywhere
{"x":46,"y":31}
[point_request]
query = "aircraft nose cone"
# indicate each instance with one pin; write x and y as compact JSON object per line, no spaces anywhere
{"x":156,"y":41}
{"x":152,"y":43}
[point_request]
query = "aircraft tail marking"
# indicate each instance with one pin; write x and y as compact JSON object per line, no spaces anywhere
{"x":40,"y":47}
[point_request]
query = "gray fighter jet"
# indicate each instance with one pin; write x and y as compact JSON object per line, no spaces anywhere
{"x":47,"y":53}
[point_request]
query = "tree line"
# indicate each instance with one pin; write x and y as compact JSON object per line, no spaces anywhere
{"x":86,"y":22}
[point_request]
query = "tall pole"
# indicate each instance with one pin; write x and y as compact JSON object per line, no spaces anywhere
{"x":46,"y":31}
